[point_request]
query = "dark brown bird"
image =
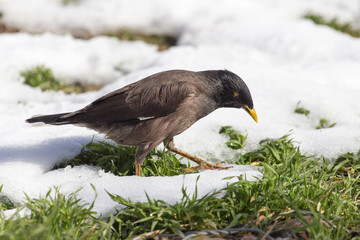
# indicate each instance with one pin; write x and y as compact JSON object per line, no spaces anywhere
{"x":159,"y":107}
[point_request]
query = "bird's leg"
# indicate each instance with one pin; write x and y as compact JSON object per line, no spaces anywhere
{"x":138,"y":169}
{"x":140,"y":154}
{"x":170,"y":145}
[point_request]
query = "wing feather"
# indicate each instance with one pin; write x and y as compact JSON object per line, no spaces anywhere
{"x":139,"y":100}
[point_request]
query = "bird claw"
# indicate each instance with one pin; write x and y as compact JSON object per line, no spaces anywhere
{"x":206,"y":166}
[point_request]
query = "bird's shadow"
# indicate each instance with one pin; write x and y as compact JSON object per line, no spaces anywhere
{"x":45,"y":154}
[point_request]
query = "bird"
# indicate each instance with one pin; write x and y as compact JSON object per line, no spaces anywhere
{"x":156,"y":108}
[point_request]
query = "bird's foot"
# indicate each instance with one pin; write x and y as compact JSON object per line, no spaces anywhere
{"x":206,"y":166}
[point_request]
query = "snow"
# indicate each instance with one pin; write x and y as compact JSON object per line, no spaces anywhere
{"x":283,"y":58}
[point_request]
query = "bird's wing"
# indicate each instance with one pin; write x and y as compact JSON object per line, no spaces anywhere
{"x":140,"y":101}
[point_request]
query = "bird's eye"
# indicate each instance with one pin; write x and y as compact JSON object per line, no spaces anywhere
{"x":235,"y":94}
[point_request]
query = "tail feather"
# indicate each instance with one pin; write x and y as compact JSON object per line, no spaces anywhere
{"x":54,"y":119}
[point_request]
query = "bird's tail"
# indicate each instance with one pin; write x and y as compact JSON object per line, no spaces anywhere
{"x":54,"y":119}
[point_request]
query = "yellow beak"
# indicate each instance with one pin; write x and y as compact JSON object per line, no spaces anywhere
{"x":252,"y":113}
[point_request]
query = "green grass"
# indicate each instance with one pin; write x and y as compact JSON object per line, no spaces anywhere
{"x":55,"y":216}
{"x":299,"y":197}
{"x":162,"y":41}
{"x":188,"y":214}
{"x":301,"y":110}
{"x":5,"y":202}
{"x":334,"y":23}
{"x":323,"y":122}
{"x":294,"y":187}
{"x":43,"y":78}
{"x":236,"y":140}
{"x":69,"y":2}
{"x":119,"y":160}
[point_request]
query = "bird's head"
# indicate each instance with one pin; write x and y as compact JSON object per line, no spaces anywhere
{"x":235,"y":93}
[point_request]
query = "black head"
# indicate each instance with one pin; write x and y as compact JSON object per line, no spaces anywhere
{"x":235,"y":93}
